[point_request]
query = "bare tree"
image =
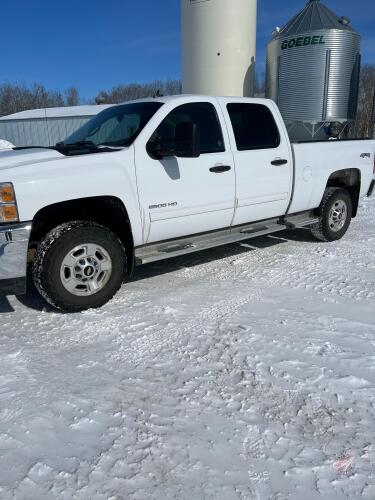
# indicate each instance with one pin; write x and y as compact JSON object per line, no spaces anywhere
{"x":173,"y":87}
{"x":259,"y":84}
{"x":123,"y":93}
{"x":15,"y":98}
{"x":72,"y":97}
{"x":364,"y":125}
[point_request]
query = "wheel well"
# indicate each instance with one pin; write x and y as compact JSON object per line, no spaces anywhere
{"x":349,"y":179}
{"x":105,"y":210}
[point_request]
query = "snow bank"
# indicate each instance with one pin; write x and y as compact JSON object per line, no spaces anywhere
{"x":5,"y":144}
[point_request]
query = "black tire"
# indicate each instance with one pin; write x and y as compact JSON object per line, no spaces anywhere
{"x":51,"y":253}
{"x":323,"y":230}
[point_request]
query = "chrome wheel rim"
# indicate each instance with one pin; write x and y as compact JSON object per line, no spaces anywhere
{"x":86,"y":269}
{"x":338,"y":216}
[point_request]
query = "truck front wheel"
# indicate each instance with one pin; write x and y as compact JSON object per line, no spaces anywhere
{"x":335,"y":215}
{"x":79,"y":265}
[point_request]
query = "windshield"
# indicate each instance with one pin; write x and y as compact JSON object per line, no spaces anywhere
{"x":115,"y":126}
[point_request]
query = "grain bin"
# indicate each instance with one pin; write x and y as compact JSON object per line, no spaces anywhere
{"x":313,"y":66}
{"x":218,"y":46}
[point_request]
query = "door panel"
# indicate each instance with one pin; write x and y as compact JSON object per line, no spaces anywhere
{"x":182,"y":196}
{"x":263,"y":190}
{"x":262,"y":159}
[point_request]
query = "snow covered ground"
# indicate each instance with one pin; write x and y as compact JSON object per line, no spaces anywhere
{"x":244,"y":372}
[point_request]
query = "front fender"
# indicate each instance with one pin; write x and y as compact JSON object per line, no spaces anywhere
{"x":70,"y":178}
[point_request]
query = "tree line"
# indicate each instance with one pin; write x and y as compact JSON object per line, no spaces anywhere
{"x":364,"y":124}
{"x":123,"y":93}
{"x":15,"y":98}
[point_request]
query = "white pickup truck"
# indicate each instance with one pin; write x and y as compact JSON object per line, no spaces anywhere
{"x":159,"y":178}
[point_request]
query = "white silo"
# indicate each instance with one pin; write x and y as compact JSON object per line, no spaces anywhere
{"x":218,"y":46}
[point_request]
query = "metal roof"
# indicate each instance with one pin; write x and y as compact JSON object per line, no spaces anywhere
{"x":314,"y":16}
{"x":65,"y":112}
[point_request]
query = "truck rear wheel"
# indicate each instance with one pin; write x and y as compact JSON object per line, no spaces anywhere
{"x":79,"y":265}
{"x":335,"y":215}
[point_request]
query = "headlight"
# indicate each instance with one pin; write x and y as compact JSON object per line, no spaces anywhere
{"x":8,"y":204}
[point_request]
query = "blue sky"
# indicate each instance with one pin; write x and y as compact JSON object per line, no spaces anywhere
{"x":95,"y":44}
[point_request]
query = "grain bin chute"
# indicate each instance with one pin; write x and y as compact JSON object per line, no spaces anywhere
{"x":218,"y":45}
{"x":313,"y":66}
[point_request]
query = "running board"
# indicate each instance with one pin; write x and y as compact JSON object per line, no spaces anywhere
{"x":176,"y":248}
{"x":299,"y":221}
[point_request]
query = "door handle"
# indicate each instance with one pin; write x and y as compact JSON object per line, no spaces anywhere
{"x":279,"y":162}
{"x":219,"y":169}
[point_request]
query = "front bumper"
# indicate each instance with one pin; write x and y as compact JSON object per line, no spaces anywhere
{"x":14,"y":243}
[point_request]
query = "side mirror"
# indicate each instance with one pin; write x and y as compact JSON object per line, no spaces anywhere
{"x":187,"y":140}
{"x":186,"y":143}
{"x":161,"y":149}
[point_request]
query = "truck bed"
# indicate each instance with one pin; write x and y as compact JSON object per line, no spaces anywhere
{"x":314,"y":162}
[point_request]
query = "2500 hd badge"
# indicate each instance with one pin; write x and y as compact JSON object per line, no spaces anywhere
{"x":163,"y":205}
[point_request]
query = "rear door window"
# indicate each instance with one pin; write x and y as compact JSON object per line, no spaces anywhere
{"x":254,"y":126}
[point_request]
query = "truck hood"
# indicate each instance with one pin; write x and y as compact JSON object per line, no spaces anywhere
{"x":43,"y":177}
{"x":17,"y":158}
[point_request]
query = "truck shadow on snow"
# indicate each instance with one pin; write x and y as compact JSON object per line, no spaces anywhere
{"x":222,"y":252}
{"x":32,"y":299}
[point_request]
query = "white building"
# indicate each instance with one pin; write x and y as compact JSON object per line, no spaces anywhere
{"x":45,"y":127}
